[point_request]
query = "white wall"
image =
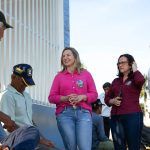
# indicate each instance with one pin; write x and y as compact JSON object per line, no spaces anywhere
{"x":37,"y":39}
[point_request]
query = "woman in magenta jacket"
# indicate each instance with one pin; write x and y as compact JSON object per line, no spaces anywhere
{"x":73,"y":90}
{"x":123,"y":96}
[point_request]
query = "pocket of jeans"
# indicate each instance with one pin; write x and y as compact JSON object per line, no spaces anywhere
{"x":85,"y":110}
{"x":85,"y":115}
{"x":63,"y":112}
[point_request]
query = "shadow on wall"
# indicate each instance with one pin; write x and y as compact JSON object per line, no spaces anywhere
{"x":44,"y":118}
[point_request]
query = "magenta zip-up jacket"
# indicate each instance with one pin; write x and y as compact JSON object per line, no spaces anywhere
{"x":130,"y":93}
{"x":66,"y":83}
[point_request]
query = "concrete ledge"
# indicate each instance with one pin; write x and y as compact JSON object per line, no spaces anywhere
{"x":44,"y":117}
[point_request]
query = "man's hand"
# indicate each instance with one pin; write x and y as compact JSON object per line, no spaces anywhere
{"x":47,"y":143}
{"x":10,"y":128}
{"x":9,"y":124}
{"x":2,"y":147}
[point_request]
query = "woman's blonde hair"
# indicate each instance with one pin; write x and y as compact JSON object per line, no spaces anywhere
{"x":78,"y":64}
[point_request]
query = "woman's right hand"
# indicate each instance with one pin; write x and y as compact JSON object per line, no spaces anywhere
{"x":64,"y":98}
{"x":69,"y":98}
{"x":74,"y":98}
{"x":115,"y":101}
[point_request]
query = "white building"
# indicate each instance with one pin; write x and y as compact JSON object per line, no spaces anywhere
{"x":41,"y":31}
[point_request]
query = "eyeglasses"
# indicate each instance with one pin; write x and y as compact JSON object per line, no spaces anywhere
{"x":122,"y":63}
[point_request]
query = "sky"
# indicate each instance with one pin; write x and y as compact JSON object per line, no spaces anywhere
{"x":102,"y":30}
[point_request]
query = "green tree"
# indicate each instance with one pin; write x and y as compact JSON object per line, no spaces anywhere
{"x":143,"y":94}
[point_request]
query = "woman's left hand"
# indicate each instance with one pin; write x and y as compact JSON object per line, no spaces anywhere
{"x":134,"y":66}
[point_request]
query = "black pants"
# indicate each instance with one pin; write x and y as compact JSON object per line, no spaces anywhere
{"x":107,"y":126}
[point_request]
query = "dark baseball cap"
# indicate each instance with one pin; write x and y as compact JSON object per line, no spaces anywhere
{"x":97,"y":103}
{"x":24,"y":71}
{"x":3,"y":20}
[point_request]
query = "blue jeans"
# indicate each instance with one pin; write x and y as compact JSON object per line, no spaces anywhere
{"x":24,"y":138}
{"x":75,"y":127}
{"x":126,"y":131}
{"x":2,"y":133}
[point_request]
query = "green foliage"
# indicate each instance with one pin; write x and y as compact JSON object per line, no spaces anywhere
{"x":143,"y":94}
{"x":144,"y":89}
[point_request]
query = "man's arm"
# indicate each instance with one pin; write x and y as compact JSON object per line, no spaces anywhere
{"x":8,"y":123}
{"x":101,"y":132}
{"x":7,"y":112}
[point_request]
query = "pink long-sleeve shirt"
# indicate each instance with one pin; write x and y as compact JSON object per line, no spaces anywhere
{"x":66,"y":83}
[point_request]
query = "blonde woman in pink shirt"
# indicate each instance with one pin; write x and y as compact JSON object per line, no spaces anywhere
{"x":73,"y":90}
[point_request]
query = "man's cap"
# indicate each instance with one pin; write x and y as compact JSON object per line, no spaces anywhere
{"x":3,"y":20}
{"x":97,"y":103}
{"x":24,"y":71}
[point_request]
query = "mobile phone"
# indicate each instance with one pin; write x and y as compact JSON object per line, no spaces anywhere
{"x":120,"y":92}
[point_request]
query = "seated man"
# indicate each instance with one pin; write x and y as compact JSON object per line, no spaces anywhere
{"x":99,"y":139}
{"x":17,"y":104}
{"x":24,"y":138}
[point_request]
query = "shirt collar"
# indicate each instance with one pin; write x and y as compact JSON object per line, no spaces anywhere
{"x":67,"y":72}
{"x":12,"y":89}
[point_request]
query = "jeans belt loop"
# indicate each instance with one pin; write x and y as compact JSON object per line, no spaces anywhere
{"x":74,"y":107}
